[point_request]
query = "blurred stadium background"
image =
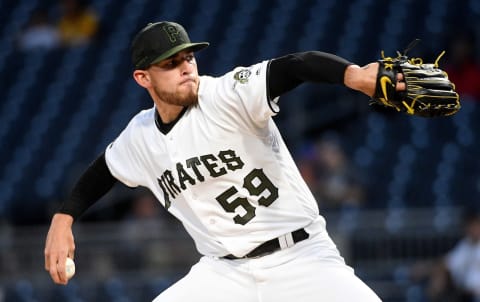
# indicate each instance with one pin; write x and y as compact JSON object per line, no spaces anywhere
{"x":59,"y":108}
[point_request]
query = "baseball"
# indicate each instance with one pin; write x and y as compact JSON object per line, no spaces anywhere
{"x":69,"y":268}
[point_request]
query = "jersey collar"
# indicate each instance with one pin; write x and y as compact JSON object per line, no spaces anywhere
{"x":166,"y":127}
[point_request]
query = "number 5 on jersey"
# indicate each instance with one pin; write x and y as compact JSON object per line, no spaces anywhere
{"x":256,"y":183}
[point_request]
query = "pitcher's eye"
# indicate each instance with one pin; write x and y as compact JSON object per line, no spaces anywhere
{"x":168,"y":64}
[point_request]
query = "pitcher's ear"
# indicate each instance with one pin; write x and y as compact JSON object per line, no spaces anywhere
{"x":142,"y":78}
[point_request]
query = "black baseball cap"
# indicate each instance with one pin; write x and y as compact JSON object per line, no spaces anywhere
{"x":158,"y":41}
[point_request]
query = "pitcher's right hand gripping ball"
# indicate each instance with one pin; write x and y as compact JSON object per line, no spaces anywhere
{"x":428,"y":92}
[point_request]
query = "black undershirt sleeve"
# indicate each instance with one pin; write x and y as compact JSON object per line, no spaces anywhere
{"x":95,"y":182}
{"x":287,"y":72}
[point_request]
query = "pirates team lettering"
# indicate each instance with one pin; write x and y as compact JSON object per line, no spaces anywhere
{"x":261,"y":190}
{"x":173,"y":182}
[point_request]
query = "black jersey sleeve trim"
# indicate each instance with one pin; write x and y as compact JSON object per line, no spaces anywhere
{"x":269,"y":98}
{"x":287,"y":72}
{"x":95,"y":182}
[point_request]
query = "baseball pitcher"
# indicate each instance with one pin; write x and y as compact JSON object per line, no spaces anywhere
{"x":211,"y":153}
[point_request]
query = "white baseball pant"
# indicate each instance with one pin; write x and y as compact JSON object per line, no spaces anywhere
{"x":310,"y":271}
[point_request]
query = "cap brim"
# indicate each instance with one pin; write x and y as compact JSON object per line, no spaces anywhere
{"x":179,"y":48}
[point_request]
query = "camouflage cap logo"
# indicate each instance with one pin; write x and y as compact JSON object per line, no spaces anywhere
{"x":242,"y":76}
{"x":173,"y":33}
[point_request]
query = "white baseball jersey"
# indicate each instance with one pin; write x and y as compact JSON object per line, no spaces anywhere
{"x":223,"y":169}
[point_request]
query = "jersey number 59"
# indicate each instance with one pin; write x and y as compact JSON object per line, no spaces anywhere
{"x":256,"y":183}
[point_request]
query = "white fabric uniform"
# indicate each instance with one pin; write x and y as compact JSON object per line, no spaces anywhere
{"x":224,"y":171}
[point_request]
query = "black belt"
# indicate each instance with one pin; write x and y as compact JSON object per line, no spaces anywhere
{"x":273,"y":245}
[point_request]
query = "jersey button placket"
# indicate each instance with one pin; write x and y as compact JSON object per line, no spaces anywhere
{"x":172,"y":147}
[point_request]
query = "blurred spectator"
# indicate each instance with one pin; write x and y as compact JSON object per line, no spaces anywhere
{"x":462,"y":68}
{"x":463,"y":262}
{"x":39,"y":33}
{"x":331,"y":177}
{"x":141,"y":224}
{"x":78,"y":23}
{"x":145,"y":207}
{"x":455,"y":277}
